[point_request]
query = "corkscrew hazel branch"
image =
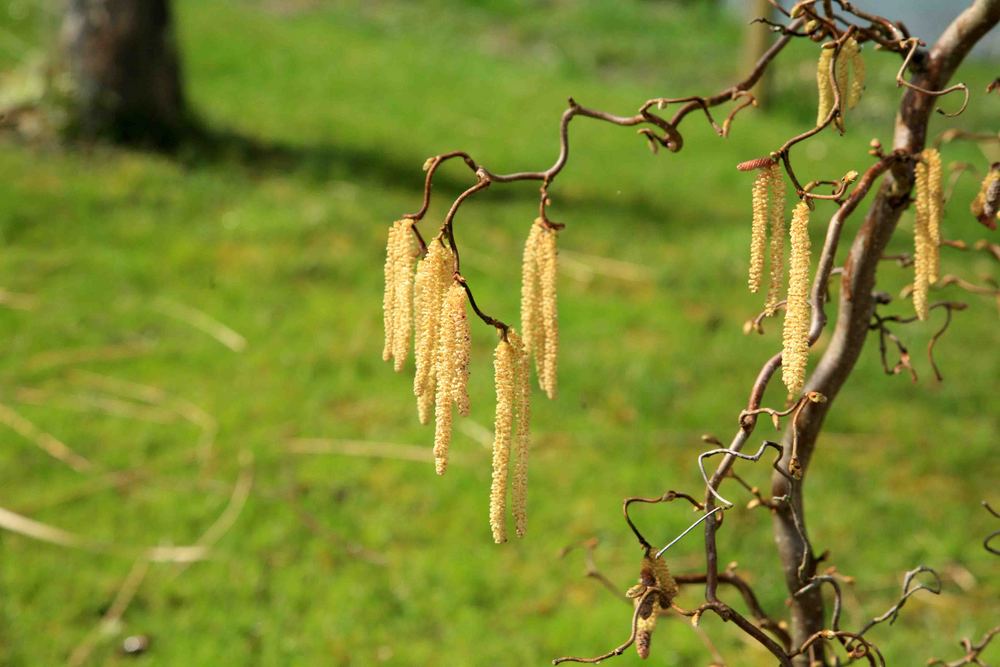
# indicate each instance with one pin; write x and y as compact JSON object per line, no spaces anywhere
{"x":863,"y":649}
{"x":909,"y":590}
{"x":972,"y":651}
{"x":667,"y":497}
{"x":994,"y":534}
{"x":746,"y":457}
{"x":651,"y":591}
{"x":913,"y":43}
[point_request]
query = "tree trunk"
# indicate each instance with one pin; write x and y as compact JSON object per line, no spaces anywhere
{"x":758,"y":39}
{"x":122,"y":59}
{"x":930,"y":70}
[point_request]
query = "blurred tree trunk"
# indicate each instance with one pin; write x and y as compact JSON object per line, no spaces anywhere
{"x":758,"y":39}
{"x":123,"y":62}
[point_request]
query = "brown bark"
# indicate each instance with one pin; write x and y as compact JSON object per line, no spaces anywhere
{"x":932,"y":71}
{"x":123,"y":62}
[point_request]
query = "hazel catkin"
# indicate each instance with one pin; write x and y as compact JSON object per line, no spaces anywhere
{"x":823,"y":86}
{"x":434,"y":273}
{"x":777,"y":245}
{"x":389,"y":294}
{"x":986,"y":206}
{"x":922,"y":246}
{"x":510,"y":430}
{"x":935,"y":210}
{"x":405,"y":261}
{"x":522,"y":400}
{"x":451,"y":363}
{"x":795,"y":340}
{"x":539,"y":313}
{"x":505,"y":372}
{"x":758,"y":229}
{"x":857,"y":86}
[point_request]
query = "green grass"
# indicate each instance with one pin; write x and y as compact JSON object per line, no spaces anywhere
{"x":353,"y":560}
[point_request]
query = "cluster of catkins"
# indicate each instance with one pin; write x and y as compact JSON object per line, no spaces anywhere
{"x":769,"y":215}
{"x":654,"y":594}
{"x":926,"y":228}
{"x":433,"y":303}
{"x":849,"y":87}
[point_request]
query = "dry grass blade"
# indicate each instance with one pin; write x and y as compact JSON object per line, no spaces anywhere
{"x":80,"y":355}
{"x":111,"y":621}
{"x":46,"y":442}
{"x":44,"y":532}
{"x":17,"y":301}
{"x":203,"y":322}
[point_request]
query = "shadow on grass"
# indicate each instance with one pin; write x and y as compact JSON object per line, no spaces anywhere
{"x":255,"y":157}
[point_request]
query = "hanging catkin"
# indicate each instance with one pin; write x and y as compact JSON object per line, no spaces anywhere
{"x":777,"y":246}
{"x":986,"y":206}
{"x":758,"y":229}
{"x":539,"y":314}
{"x":511,"y":426}
{"x":405,"y":260}
{"x":858,"y":79}
{"x":461,"y":346}
{"x":433,"y":277}
{"x":505,"y":371}
{"x":922,"y":246}
{"x":522,"y":399}
{"x":935,"y":209}
{"x":389,"y":295}
{"x":452,"y":352}
{"x":547,"y":275}
{"x":823,"y":85}
{"x":653,"y":594}
{"x":795,"y":342}
{"x":531,"y":300}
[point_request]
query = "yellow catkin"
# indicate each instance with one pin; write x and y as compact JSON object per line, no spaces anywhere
{"x":389,"y":295}
{"x":935,"y":209}
{"x":547,"y":277}
{"x":522,"y":399}
{"x":505,"y":372}
{"x":842,"y":68}
{"x":446,"y":361}
{"x":539,"y":314}
{"x":921,"y":241}
{"x":531,"y":300}
{"x":433,"y":277}
{"x":795,"y":342}
{"x":461,"y":347}
{"x":858,"y":79}
{"x":777,"y":246}
{"x":824,"y":88}
{"x":758,"y":229}
{"x":405,"y":260}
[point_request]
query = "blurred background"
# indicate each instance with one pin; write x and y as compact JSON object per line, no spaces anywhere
{"x":190,"y":291}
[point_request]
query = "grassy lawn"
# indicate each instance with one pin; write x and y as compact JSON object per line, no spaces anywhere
{"x":111,"y":260}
